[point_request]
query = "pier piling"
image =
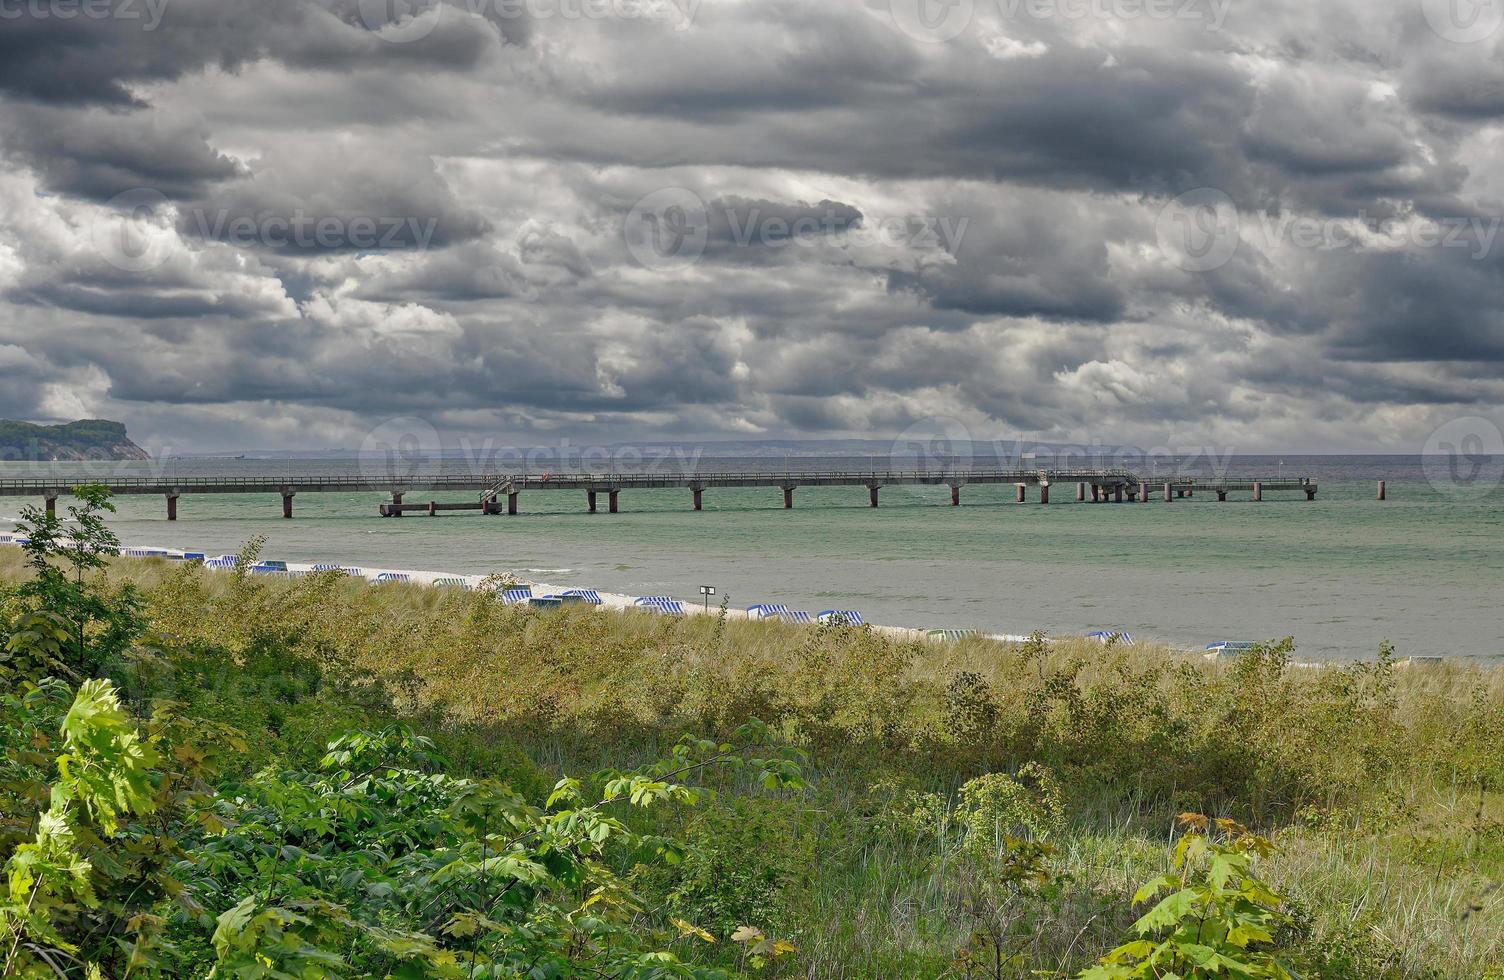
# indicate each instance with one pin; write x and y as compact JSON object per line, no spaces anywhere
{"x":590,"y":500}
{"x":1143,"y":493}
{"x":955,"y":495}
{"x":287,"y":505}
{"x":1020,"y":496}
{"x":51,"y":504}
{"x":699,"y":502}
{"x":172,"y":506}
{"x":1044,"y":493}
{"x":1383,"y":491}
{"x":1117,"y":493}
{"x":611,"y":501}
{"x":396,"y":505}
{"x":788,"y":498}
{"x":512,"y":504}
{"x":1258,"y":491}
{"x":1169,"y":493}
{"x":1080,"y":492}
{"x":872,"y":496}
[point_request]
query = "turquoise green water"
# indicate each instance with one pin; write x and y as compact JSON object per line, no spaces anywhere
{"x":1341,"y":573}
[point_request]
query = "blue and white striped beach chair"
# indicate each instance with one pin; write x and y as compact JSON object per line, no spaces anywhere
{"x":514,"y":596}
{"x":449,"y":582}
{"x":798,"y":616}
{"x":848,"y":617}
{"x":768,"y":610}
{"x":1105,"y":637}
{"x":661,"y":603}
{"x":590,"y":596}
{"x":390,"y":578}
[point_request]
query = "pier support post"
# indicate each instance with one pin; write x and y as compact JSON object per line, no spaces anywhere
{"x":287,"y":506}
{"x":396,"y":505}
{"x":1143,"y":492}
{"x":1117,"y":493}
{"x":1383,"y":491}
{"x":955,"y":495}
{"x":1310,"y":493}
{"x":1080,"y":492}
{"x":51,"y":504}
{"x":872,"y":496}
{"x":512,"y":504}
{"x":172,"y":506}
{"x":788,"y":498}
{"x":433,"y":508}
{"x":1222,"y":496}
{"x":1044,"y":493}
{"x":1169,"y":493}
{"x":1020,"y":495}
{"x":611,"y":500}
{"x":1258,"y":491}
{"x":590,"y":500}
{"x":1096,"y":494}
{"x":699,"y":503}
{"x":489,"y":506}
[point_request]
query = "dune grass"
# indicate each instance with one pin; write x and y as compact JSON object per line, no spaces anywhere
{"x":1378,"y":783}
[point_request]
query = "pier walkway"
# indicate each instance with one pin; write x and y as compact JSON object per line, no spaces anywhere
{"x":486,"y":490}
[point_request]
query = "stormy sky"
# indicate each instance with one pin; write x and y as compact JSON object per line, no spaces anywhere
{"x":1256,"y":224}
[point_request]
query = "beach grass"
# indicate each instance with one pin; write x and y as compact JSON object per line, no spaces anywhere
{"x":1378,"y":783}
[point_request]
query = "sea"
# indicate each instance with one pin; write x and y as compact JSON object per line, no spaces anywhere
{"x":1342,"y":574}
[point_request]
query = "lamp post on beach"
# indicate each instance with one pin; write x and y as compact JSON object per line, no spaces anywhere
{"x":707,"y":591}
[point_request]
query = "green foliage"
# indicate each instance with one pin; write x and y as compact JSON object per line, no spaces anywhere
{"x":103,"y":774}
{"x":1215,"y":919}
{"x":744,"y":859}
{"x":65,"y":557}
{"x":377,"y":862}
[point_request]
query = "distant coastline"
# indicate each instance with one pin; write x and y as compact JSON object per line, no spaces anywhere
{"x":81,"y":441}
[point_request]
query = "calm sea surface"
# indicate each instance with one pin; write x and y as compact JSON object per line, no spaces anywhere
{"x":1424,"y":570}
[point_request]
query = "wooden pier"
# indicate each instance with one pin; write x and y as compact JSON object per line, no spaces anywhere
{"x":485,"y":491}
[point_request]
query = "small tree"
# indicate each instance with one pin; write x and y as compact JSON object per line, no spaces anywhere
{"x":63,"y":555}
{"x":1216,"y":919}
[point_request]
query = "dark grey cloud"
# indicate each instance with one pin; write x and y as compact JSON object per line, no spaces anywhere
{"x":347,"y":218}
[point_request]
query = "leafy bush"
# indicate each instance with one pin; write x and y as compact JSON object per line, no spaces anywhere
{"x":1216,"y":918}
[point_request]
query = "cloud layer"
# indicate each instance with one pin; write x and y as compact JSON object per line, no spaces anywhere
{"x":1270,"y":226}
